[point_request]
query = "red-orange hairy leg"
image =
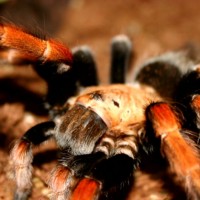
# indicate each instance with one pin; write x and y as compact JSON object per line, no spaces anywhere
{"x":61,"y":182}
{"x":87,"y":189}
{"x":21,"y":156}
{"x":182,"y":156}
{"x":44,"y":50}
{"x":163,"y":119}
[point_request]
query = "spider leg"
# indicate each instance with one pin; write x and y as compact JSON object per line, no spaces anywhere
{"x":93,"y":176}
{"x":121,"y":53}
{"x":70,"y":171}
{"x":110,"y":178}
{"x":21,"y":156}
{"x":31,"y":46}
{"x":64,"y":84}
{"x":181,"y":155}
{"x":188,"y":96}
{"x":84,"y":66}
{"x":18,"y":46}
{"x":60,"y":85}
{"x":165,"y":71}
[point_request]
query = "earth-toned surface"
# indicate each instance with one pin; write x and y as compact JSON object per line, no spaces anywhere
{"x":153,"y":25}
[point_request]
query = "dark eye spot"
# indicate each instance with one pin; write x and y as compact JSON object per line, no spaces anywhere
{"x":115,"y":103}
{"x":97,"y":96}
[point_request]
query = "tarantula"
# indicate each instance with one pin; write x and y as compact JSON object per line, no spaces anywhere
{"x":102,"y":132}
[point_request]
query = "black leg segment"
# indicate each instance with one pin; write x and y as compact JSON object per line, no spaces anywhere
{"x":39,"y":133}
{"x":121,"y":53}
{"x":84,"y":66}
{"x":116,"y":176}
{"x":112,"y":177}
{"x":61,"y":84}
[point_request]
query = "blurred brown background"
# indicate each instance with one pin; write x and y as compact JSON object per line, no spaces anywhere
{"x":153,"y":25}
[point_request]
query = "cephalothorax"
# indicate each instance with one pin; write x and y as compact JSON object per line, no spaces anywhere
{"x":102,"y":131}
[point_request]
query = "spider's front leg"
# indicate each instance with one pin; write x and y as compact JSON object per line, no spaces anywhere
{"x":113,"y":177}
{"x":93,"y":176}
{"x":30,"y":48}
{"x":51,"y":59}
{"x":64,"y":84}
{"x":180,"y":153}
{"x":21,"y":156}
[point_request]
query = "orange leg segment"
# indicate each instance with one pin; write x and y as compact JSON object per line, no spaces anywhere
{"x":65,"y":186}
{"x":43,"y":50}
{"x":61,"y":182}
{"x":21,"y":156}
{"x":181,"y":154}
{"x":87,"y":189}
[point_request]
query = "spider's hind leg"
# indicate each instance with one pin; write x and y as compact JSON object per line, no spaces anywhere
{"x":188,"y":96}
{"x":181,"y":154}
{"x":121,"y":55}
{"x":164,"y":72}
{"x":84,"y":66}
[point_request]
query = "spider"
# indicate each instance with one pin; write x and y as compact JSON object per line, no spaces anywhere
{"x":103,"y":132}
